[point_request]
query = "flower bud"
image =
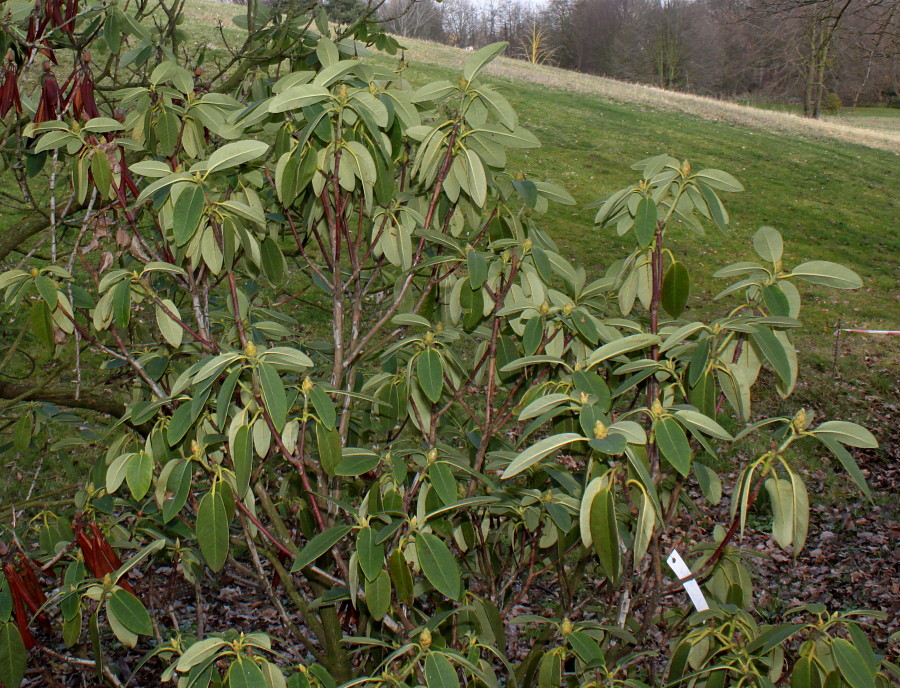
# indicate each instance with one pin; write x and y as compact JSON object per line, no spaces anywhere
{"x":307,"y":385}
{"x":250,"y":349}
{"x":600,"y":430}
{"x":425,"y":639}
{"x":545,"y":308}
{"x":195,"y":448}
{"x":568,"y":308}
{"x":429,"y":338}
{"x":527,"y":244}
{"x":566,"y":626}
{"x":800,"y":420}
{"x":432,"y":455}
{"x":584,"y":398}
{"x":35,"y":272}
{"x":656,"y":410}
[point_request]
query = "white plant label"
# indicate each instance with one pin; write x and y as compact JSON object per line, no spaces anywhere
{"x":676,"y":563}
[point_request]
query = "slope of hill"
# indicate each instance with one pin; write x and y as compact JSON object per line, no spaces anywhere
{"x":642,"y":95}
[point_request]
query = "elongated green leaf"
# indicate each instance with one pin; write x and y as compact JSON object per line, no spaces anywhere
{"x":673,"y":444}
{"x":800,"y":525}
{"x":439,"y":672}
{"x":768,"y":244}
{"x":480,"y":58}
{"x":245,"y":673}
{"x":130,"y":612}
{"x":187,"y":213}
{"x":356,"y":461}
{"x":234,"y":154}
{"x":852,"y":665}
{"x":676,"y":289}
{"x":171,"y":331}
{"x":13,"y":656}
{"x":318,"y":545}
{"x":139,"y":474}
{"x":605,"y":532}
{"x":644,"y":530}
{"x":378,"y":595}
{"x":847,"y":433}
{"x":297,"y":97}
{"x":828,"y":274}
{"x":370,"y":553}
{"x":773,"y":351}
{"x":212,"y":529}
{"x":439,"y":565}
{"x":645,"y":222}
{"x":781,"y":495}
{"x":805,"y":674}
{"x":273,"y":394}
{"x":329,"y":444}
{"x":430,"y":374}
{"x":242,"y":455}
{"x":324,"y":407}
{"x":538,"y":451}
{"x":621,"y":346}
{"x":401,"y":577}
{"x":848,"y":462}
{"x":720,"y":180}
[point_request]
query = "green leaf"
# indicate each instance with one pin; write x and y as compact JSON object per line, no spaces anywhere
{"x":439,"y":565}
{"x":430,"y":374}
{"x":847,"y":433}
{"x":773,"y":351}
{"x":443,"y":482}
{"x":318,"y":545}
{"x":297,"y":97}
{"x":212,"y":529}
{"x":356,"y":461}
{"x":47,"y":289}
{"x":849,"y":464}
{"x":370,"y":553}
{"x":710,"y":483}
{"x":768,"y":244}
{"x":480,"y":58}
{"x":852,"y":665}
{"x":272,"y":260}
{"x":673,"y":444}
{"x":538,"y":451}
{"x":171,"y":331}
{"x":805,"y":674}
{"x":781,"y":497}
{"x":242,"y":455}
{"x":621,"y":346}
{"x":130,"y":612}
{"x":605,"y":532}
{"x":676,"y":289}
{"x":378,"y":595}
{"x":550,"y":671}
{"x":478,"y":269}
{"x":645,"y":220}
{"x":234,"y":154}
{"x":401,"y":577}
{"x":329,"y":443}
{"x":718,"y":179}
{"x":187,"y":213}
{"x":273,"y":394}
{"x":139,"y":474}
{"x":324,"y":408}
{"x":245,"y":673}
{"x":13,"y":656}
{"x":828,"y":274}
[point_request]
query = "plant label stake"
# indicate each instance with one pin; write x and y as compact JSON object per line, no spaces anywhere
{"x":676,"y":563}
